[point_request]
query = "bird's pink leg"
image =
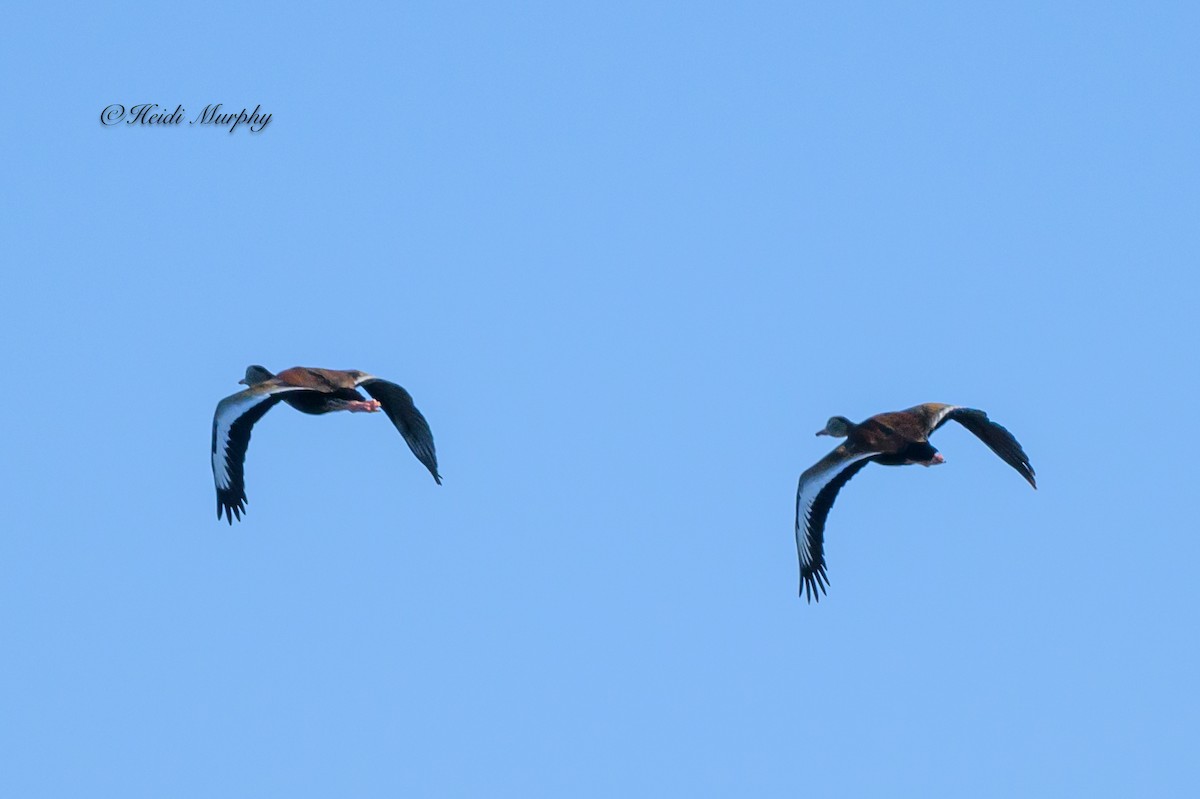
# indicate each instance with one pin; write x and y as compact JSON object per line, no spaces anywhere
{"x":363,"y":406}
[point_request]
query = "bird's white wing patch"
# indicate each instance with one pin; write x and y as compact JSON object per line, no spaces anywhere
{"x":941,"y":415}
{"x":812,"y":482}
{"x":229,"y":410}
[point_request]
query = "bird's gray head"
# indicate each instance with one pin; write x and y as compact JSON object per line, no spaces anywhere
{"x":255,"y":374}
{"x":837,"y":426}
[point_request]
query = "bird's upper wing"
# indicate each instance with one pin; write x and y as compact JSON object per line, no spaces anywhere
{"x":234,"y":417}
{"x":398,"y":405}
{"x":995,"y":436}
{"x":818,"y":488}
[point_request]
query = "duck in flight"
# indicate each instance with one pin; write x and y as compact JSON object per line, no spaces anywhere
{"x":892,"y":439}
{"x":312,"y":391}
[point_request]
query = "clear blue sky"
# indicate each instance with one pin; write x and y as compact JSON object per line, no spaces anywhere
{"x":627,"y":257}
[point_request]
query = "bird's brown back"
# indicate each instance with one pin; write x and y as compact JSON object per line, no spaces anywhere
{"x":316,"y":379}
{"x":889,"y":432}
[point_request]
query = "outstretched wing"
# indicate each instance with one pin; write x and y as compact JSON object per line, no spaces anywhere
{"x":998,"y":439}
{"x":819,"y":486}
{"x":398,"y":405}
{"x":234,"y":417}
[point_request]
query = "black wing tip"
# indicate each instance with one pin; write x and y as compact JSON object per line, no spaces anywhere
{"x":428,"y":458}
{"x":230,"y":509}
{"x":812,"y":585}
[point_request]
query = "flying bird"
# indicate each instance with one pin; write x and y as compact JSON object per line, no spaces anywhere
{"x":892,"y":439}
{"x":313,"y":391}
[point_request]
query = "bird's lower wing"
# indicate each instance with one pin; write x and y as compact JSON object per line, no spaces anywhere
{"x":996,"y":436}
{"x":232,"y":422}
{"x":819,"y":486}
{"x":398,"y":405}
